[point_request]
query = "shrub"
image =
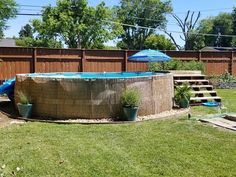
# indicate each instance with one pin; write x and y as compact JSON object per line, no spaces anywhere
{"x":193,"y":65}
{"x":176,"y":65}
{"x":227,"y":77}
{"x":130,"y":98}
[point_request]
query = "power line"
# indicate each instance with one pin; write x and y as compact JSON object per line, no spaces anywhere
{"x":30,"y":9}
{"x":148,"y":19}
{"x":144,"y":27}
{"x":27,"y":14}
{"x":179,"y":32}
{"x":23,"y":5}
{"x":201,"y":10}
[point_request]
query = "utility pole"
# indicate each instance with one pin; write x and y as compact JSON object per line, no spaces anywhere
{"x":218,"y":39}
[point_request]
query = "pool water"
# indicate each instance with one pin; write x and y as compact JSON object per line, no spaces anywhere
{"x":90,"y":75}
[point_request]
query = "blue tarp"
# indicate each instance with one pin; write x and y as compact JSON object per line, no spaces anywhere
{"x":8,"y":88}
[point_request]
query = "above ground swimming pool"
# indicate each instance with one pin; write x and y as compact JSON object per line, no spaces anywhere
{"x":94,"y":95}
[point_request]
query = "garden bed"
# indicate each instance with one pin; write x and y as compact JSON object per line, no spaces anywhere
{"x":223,"y":81}
{"x":224,"y":85}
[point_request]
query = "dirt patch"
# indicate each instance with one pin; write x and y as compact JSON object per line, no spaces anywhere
{"x":6,"y":121}
{"x":7,"y":107}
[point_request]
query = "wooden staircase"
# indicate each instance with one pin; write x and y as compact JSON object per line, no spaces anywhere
{"x":202,"y":91}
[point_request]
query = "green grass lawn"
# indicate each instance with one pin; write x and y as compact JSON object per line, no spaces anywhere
{"x":155,"y":148}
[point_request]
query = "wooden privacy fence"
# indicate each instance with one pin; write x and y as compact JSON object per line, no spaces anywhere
{"x":14,"y":60}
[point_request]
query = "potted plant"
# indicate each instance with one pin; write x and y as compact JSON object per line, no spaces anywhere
{"x":182,"y":95}
{"x":24,"y":106}
{"x":130,"y":100}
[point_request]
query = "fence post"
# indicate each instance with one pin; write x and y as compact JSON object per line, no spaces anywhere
{"x":231,"y":65}
{"x":125,"y":60}
{"x":34,"y":60}
{"x":83,"y":60}
{"x":199,"y":55}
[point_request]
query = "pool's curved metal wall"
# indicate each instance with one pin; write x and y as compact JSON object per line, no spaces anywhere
{"x":73,"y":98}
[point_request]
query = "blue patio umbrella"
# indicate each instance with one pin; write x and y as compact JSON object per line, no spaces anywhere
{"x":149,"y":56}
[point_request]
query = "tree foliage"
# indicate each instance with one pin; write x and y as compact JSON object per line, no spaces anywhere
{"x":159,"y":42}
{"x":220,"y":24}
{"x":28,"y":37}
{"x":26,"y":31}
{"x":234,"y":26}
{"x":195,"y":41}
{"x":148,"y":13}
{"x":215,"y":26}
{"x":7,"y":11}
{"x":77,"y":24}
{"x":38,"y":42}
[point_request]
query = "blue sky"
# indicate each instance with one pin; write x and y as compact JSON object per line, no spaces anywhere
{"x":208,"y":8}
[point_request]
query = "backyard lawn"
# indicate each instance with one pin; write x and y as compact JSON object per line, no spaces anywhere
{"x":175,"y":147}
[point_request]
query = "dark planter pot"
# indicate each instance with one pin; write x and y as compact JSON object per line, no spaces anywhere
{"x":25,"y":110}
{"x":184,"y":103}
{"x":130,"y":113}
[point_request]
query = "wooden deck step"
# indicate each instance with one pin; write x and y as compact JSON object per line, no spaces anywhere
{"x":192,"y":81}
{"x":205,"y":98}
{"x":189,"y":75}
{"x":201,"y":86}
{"x":203,"y":91}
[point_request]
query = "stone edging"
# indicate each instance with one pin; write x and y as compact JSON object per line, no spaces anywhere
{"x":164,"y":115}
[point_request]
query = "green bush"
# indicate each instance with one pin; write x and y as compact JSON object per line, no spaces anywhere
{"x":130,"y":98}
{"x":227,"y":77}
{"x":223,"y":78}
{"x":176,"y":65}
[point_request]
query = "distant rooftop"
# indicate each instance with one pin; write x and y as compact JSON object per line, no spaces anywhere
{"x":8,"y":43}
{"x":218,"y":49}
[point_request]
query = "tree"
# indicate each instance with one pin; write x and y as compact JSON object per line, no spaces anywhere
{"x":221,"y":24}
{"x":187,"y":27}
{"x":7,"y":11}
{"x":234,"y":26}
{"x":38,"y":42}
{"x":77,"y":24}
{"x":195,"y":40}
{"x":159,"y":42}
{"x":27,"y":39}
{"x":135,"y":14}
{"x":26,"y":31}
